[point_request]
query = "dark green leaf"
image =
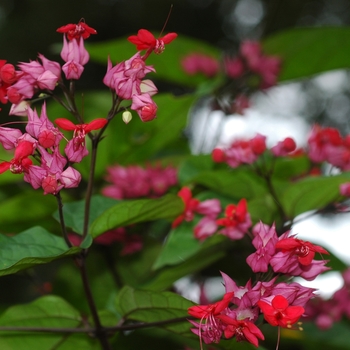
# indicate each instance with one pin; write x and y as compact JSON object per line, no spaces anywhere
{"x":46,"y":312}
{"x":22,"y":210}
{"x":74,"y":211}
{"x":150,"y":306}
{"x":193,"y":166}
{"x":309,"y":51}
{"x":237,"y":183}
{"x":180,"y":245}
{"x":29,"y":248}
{"x":129,"y":212}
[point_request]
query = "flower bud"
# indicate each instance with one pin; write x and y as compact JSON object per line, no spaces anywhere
{"x":127,"y":116}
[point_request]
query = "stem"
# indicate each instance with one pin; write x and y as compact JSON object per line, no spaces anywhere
{"x":99,"y":330}
{"x":63,"y":225}
{"x":91,"y":330}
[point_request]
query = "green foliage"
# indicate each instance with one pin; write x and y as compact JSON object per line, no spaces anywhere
{"x":149,"y":306}
{"x":134,"y":211}
{"x":309,"y":51}
{"x":32,"y":247}
{"x":46,"y":312}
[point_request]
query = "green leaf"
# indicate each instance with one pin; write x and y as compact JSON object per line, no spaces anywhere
{"x":179,"y":245}
{"x":32,"y":247}
{"x":312,"y":193}
{"x":25,"y":209}
{"x":237,"y":183}
{"x":167,"y":65}
{"x":129,"y":212}
{"x":150,"y":306}
{"x":193,"y":166}
{"x":309,"y":51}
{"x":46,"y":312}
{"x":74,"y":212}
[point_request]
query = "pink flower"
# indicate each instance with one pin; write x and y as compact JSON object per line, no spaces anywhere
{"x":76,"y":56}
{"x":76,"y":149}
{"x":344,"y":189}
{"x":284,"y":147}
{"x":200,"y":63}
{"x":144,"y":106}
{"x":9,"y":137}
{"x":126,"y":77}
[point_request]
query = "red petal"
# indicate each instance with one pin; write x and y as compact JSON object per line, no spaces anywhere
{"x":66,"y":28}
{"x":146,"y":36}
{"x":4,"y":166}
{"x":185,"y":194}
{"x":96,"y":124}
{"x":23,"y":150}
{"x":65,"y":124}
{"x":168,"y":38}
{"x":279,"y":302}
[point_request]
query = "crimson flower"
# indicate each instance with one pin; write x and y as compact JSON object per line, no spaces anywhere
{"x":20,"y":162}
{"x":304,"y":250}
{"x":145,"y":40}
{"x":80,"y":130}
{"x":75,"y":31}
{"x":279,"y":313}
{"x":206,"y":311}
{"x":191,"y":205}
{"x":242,"y":330}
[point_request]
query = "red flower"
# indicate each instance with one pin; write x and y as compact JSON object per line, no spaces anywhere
{"x":190,"y":206}
{"x":20,"y":162}
{"x":279,"y":313}
{"x":242,"y":330}
{"x":75,"y":31}
{"x":206,"y":311}
{"x":145,"y":40}
{"x":304,"y":250}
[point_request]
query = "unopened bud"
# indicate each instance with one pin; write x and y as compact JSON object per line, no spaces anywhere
{"x":20,"y":109}
{"x":127,"y":116}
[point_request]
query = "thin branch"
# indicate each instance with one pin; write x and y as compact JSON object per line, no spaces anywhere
{"x":92,"y":330}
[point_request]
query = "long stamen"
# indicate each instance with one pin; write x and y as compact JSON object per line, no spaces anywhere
{"x":166,"y":21}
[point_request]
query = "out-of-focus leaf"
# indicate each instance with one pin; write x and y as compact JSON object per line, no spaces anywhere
{"x":32,"y":247}
{"x":74,"y":211}
{"x":290,"y":167}
{"x":129,"y":212}
{"x":309,"y":51}
{"x":193,"y":166}
{"x":46,"y":312}
{"x":238,"y":183}
{"x":150,"y":306}
{"x":23,"y":210}
{"x":312,"y":193}
{"x":168,"y":65}
{"x":180,"y":245}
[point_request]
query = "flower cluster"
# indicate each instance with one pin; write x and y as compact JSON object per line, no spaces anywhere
{"x":37,"y":151}
{"x":40,"y":142}
{"x":126,"y":78}
{"x":249,"y":70}
{"x":133,"y":181}
{"x":238,"y":312}
{"x":282,"y":304}
{"x":234,"y":224}
{"x":248,"y":151}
